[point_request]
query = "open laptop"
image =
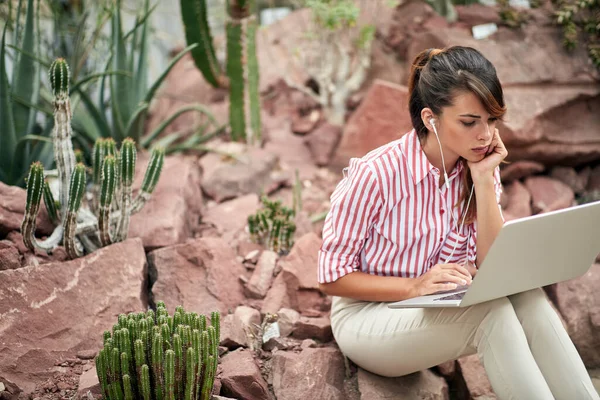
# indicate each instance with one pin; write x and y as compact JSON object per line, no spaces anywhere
{"x":528,"y":253}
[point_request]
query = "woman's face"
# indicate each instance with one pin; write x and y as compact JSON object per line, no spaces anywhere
{"x":466,"y":129}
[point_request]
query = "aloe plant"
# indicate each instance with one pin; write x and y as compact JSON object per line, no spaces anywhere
{"x":241,"y":75}
{"x":155,"y":356}
{"x":273,"y":226}
{"x":19,"y":146}
{"x":79,"y":229}
{"x":130,"y":94}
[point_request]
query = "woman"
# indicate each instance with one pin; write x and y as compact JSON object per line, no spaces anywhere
{"x":417,"y":216}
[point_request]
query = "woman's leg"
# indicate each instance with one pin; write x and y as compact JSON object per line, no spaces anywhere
{"x":398,"y":342}
{"x":552,"y":348}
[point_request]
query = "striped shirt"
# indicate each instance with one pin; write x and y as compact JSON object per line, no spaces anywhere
{"x":389,"y":216}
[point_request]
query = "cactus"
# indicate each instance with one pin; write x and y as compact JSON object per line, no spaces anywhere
{"x":112,"y":176}
{"x":242,"y":75}
{"x":272,"y":226}
{"x":168,"y":366}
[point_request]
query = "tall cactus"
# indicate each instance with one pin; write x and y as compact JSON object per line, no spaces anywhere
{"x":242,"y":77}
{"x":79,"y":229}
{"x":177,"y":362}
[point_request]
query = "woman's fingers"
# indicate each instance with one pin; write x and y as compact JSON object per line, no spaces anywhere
{"x":462,"y":271}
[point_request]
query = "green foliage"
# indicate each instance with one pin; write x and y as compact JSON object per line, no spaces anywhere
{"x":273,"y":226}
{"x":112,"y":178}
{"x":155,"y":356}
{"x":334,"y":14}
{"x":510,"y":16}
{"x":580,"y":20}
{"x":22,"y":139}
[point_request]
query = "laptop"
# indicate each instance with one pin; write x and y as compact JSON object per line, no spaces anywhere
{"x":528,"y":253}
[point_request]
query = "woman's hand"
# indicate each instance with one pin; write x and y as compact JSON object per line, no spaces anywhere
{"x":484,"y":169}
{"x":442,"y":277}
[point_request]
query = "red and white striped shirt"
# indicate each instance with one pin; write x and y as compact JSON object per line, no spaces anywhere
{"x":389,"y":216}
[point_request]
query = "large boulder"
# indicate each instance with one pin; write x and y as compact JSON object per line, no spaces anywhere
{"x":381,"y":118}
{"x":12,"y":209}
{"x":241,"y":377}
{"x":312,"y":374}
{"x":173,"y":213}
{"x":548,"y":194}
{"x":202,"y":275}
{"x":53,"y":311}
{"x":579,"y":304}
{"x":420,"y":385}
{"x":229,"y":219}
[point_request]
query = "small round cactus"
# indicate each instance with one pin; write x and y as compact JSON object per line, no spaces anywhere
{"x":59,"y":76}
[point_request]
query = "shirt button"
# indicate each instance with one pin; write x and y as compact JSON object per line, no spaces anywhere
{"x":443,"y":211}
{"x":441,"y":239}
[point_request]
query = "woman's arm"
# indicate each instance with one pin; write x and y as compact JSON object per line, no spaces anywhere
{"x":489,"y":219}
{"x":362,"y":286}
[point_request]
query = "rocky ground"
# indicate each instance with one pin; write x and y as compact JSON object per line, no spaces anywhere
{"x":189,"y":245}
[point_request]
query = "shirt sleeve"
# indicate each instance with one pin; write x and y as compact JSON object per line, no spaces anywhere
{"x":355,"y":205}
{"x":472,"y":248}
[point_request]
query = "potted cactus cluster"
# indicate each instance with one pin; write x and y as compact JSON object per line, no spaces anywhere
{"x":85,"y":222}
{"x":155,"y":356}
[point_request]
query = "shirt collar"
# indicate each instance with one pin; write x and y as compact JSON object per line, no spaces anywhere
{"x":418,"y":163}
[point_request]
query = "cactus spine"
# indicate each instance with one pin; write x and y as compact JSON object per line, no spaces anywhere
{"x":242,"y":64}
{"x":79,"y":229}
{"x":174,"y":366}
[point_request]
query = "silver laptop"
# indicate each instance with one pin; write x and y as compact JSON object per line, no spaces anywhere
{"x":528,"y":253}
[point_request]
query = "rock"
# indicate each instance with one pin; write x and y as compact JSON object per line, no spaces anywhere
{"x":88,"y":382}
{"x":86,"y":354}
{"x":477,"y":14}
{"x":569,"y":177}
{"x":263,"y":275}
{"x":231,"y":217}
{"x":520,"y":169}
{"x":201,"y":275}
{"x":594,"y":180}
{"x":9,"y":256}
{"x":323,"y":141}
{"x":519,"y":201}
{"x":308,"y":344}
{"x":310,"y":374}
{"x":227,"y":179}
{"x":241,"y":377}
{"x":173,"y":212}
{"x":420,"y":385}
{"x":408,"y":20}
{"x":238,"y":329}
{"x":280,"y":295}
{"x":578,"y":303}
{"x":313,"y":328}
{"x":302,"y":261}
{"x":476,"y":378}
{"x":51,"y":311}
{"x":12,"y":209}
{"x":381,"y":118}
{"x":287,"y":320}
{"x":448,"y":369}
{"x":548,"y":194}
{"x":303,"y":124}
{"x":276,"y":343}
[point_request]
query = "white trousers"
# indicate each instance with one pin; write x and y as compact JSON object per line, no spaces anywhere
{"x":520,"y":340}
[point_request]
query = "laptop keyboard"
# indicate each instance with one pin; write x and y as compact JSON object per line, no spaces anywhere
{"x":456,"y":296}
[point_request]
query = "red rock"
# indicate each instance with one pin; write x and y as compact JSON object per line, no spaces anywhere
{"x":420,"y":385}
{"x":263,"y":275}
{"x":548,"y":194}
{"x":9,"y":256}
{"x":519,"y":201}
{"x":381,"y":118}
{"x":241,"y":377}
{"x":228,"y":179}
{"x":230,"y":218}
{"x":311,"y":374}
{"x":323,"y":141}
{"x":201,"y":275}
{"x":51,"y":311}
{"x":239,"y":328}
{"x":594,"y":180}
{"x":313,"y":328}
{"x":88,"y":382}
{"x":303,"y":124}
{"x":569,"y":177}
{"x":520,"y":169}
{"x":302,"y":261}
{"x":578,"y":303}
{"x":287,"y":319}
{"x":12,"y":209}
{"x":280,"y":295}
{"x":475,"y":377}
{"x":173,"y":213}
{"x":476,"y":14}
{"x":448,"y":369}
{"x":291,"y":149}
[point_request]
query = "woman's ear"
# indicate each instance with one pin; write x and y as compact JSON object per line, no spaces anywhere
{"x":428,"y":118}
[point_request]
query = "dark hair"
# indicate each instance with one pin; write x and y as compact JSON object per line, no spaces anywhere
{"x":437,"y":76}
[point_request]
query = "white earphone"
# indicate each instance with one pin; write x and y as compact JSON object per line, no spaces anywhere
{"x":432,"y":122}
